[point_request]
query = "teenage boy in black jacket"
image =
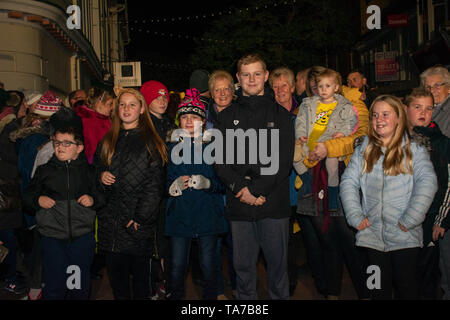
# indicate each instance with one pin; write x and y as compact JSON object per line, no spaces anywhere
{"x":63,"y":195}
{"x":258,"y":191}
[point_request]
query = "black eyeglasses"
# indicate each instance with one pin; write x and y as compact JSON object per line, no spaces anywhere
{"x":64,"y":143}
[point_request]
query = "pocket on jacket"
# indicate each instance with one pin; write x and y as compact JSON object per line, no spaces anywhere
{"x":82,"y":218}
{"x":53,"y":222}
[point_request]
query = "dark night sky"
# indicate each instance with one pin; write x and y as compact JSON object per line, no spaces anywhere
{"x":164,"y":58}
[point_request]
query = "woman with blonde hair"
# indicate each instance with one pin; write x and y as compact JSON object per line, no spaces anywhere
{"x":129,"y":162}
{"x":397,"y":183}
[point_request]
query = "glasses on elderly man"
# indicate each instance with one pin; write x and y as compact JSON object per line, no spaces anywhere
{"x":64,"y":143}
{"x":436,"y":86}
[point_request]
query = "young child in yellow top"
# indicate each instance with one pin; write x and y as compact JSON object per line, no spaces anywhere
{"x":326,"y":116}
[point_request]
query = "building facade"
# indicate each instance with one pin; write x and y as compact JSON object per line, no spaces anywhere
{"x":413,"y":36}
{"x":61,"y":45}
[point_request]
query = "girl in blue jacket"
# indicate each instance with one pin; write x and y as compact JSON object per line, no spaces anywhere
{"x":195,"y":208}
{"x":398,"y":184}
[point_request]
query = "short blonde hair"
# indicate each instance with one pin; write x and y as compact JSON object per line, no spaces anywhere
{"x":220,"y":74}
{"x":330,"y":73}
{"x":282,"y":71}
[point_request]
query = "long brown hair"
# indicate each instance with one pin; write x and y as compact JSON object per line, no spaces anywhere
{"x":145,"y":126}
{"x":393,"y":162}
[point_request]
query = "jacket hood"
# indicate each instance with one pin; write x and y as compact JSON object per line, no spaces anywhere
{"x":25,"y":132}
{"x":418,"y":139}
{"x":268,"y":91}
{"x":339,"y":98}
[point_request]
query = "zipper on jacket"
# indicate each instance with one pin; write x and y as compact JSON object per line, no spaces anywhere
{"x":69,"y":215}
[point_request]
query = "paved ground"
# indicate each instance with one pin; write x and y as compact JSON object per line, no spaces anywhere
{"x":305,"y":289}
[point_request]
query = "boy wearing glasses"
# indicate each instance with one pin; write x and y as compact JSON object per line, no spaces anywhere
{"x":64,"y":197}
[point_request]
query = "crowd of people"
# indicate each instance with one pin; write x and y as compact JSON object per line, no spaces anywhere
{"x":114,"y":180}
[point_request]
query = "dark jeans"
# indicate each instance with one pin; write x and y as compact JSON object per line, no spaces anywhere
{"x":180,"y":247}
{"x":58,"y":255}
{"x":228,"y":241}
{"x":314,"y":254}
{"x":293,"y":248}
{"x":9,"y":241}
{"x":120,"y":266}
{"x":398,"y":268}
{"x":327,"y":252}
{"x":428,"y":272}
{"x":35,"y":267}
{"x":249,"y":237}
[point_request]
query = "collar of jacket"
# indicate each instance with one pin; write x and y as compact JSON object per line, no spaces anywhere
{"x":444,"y":104}
{"x":124,"y":132}
{"x":254,"y":102}
{"x":86,"y":112}
{"x":414,"y":137}
{"x":73,"y":163}
{"x":314,"y":99}
{"x":294,"y":105}
{"x":22,"y":133}
{"x":163,"y":119}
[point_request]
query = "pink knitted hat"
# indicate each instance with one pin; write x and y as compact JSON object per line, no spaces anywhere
{"x":192,"y":104}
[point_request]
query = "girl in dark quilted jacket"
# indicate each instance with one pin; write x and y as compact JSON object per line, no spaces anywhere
{"x":195,"y":208}
{"x":129,"y":163}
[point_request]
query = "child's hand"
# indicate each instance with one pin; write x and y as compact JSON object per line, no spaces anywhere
{"x":402,"y":227}
{"x":364,"y":224}
{"x":338,"y":135}
{"x":299,"y":154}
{"x":86,"y":200}
{"x":185,"y":180}
{"x":46,"y":202}
{"x":135,"y":224}
{"x":107,"y":178}
{"x":304,"y":139}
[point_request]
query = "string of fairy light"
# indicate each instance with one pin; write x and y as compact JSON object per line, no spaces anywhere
{"x":198,"y":17}
{"x":142,"y":27}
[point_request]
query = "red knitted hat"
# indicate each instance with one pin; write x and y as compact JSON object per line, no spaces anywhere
{"x":48,"y":104}
{"x":153,"y":89}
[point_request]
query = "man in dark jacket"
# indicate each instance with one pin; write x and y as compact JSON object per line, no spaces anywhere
{"x":258,"y":196}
